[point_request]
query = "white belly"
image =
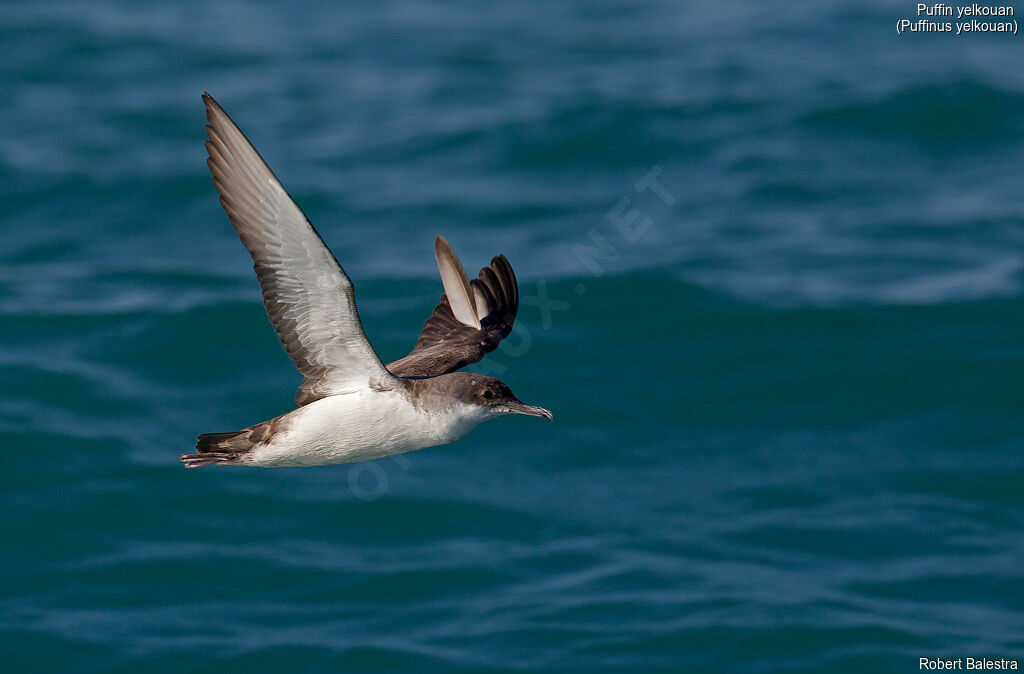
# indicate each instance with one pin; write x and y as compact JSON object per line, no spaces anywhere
{"x":353,"y":427}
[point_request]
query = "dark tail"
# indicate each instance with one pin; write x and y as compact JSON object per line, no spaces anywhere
{"x":217,"y":448}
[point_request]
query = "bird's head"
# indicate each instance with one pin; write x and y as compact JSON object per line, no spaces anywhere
{"x":497,"y":398}
{"x":489,"y":397}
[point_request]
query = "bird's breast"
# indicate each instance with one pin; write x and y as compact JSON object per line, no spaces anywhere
{"x":353,"y":427}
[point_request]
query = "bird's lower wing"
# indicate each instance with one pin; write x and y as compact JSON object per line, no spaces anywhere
{"x":308,"y":296}
{"x":470,"y":320}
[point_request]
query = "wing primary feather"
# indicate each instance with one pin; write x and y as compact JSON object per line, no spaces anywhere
{"x":506,"y":278}
{"x":483,"y":304}
{"x":456,"y":284}
{"x":489,"y":279}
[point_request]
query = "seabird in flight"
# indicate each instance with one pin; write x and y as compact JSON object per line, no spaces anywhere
{"x":352,"y":407}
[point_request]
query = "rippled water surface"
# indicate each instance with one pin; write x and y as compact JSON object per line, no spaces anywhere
{"x":773,"y":256}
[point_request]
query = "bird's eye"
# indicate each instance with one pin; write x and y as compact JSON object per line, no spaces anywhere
{"x":488,"y":394}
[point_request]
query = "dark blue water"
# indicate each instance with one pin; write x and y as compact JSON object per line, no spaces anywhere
{"x":786,"y":369}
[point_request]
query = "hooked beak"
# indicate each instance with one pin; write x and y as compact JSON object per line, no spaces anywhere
{"x":519,"y":407}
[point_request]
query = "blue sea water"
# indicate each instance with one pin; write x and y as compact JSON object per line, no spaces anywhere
{"x":785,"y":370}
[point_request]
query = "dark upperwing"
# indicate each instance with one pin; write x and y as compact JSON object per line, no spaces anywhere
{"x":470,"y":320}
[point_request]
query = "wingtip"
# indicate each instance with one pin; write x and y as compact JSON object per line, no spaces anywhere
{"x":213,"y":109}
{"x":505,"y":277}
{"x":441,"y":246}
{"x":444,"y":252}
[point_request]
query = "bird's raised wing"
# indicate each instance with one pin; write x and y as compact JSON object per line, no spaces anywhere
{"x":469,"y":321}
{"x":308,"y":296}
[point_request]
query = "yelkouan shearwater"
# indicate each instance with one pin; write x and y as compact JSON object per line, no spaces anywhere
{"x":352,"y":407}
